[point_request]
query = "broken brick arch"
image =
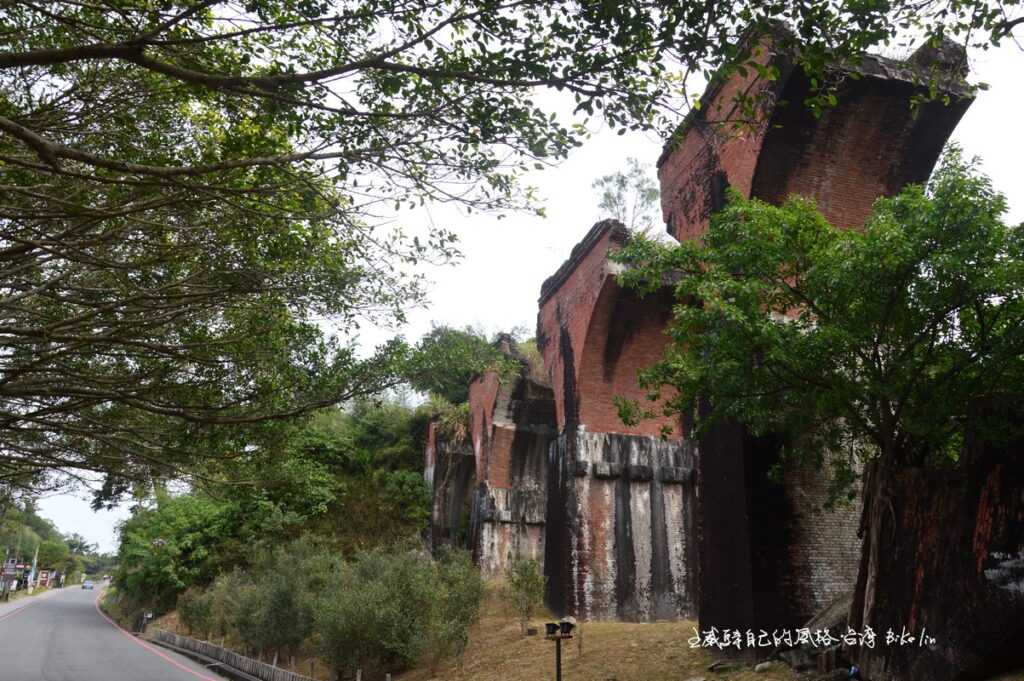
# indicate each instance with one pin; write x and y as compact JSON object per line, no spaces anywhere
{"x":596,"y":335}
{"x":620,"y":533}
{"x":626,"y":334}
{"x":785,"y":560}
{"x":874,"y":141}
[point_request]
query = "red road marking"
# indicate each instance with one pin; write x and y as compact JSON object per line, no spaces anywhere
{"x":148,"y":647}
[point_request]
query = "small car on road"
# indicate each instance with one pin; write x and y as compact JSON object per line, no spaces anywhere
{"x":87,"y":584}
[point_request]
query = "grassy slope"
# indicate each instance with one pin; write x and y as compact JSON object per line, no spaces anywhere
{"x":611,"y":650}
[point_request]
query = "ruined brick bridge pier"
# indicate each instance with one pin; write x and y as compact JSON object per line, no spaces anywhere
{"x":633,"y":525}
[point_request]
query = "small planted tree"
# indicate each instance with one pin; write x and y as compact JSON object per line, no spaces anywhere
{"x":245,"y":621}
{"x":224,"y":596}
{"x":525,"y":590}
{"x":286,"y":615}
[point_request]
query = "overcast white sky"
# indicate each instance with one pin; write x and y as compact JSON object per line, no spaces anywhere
{"x":497,"y":284}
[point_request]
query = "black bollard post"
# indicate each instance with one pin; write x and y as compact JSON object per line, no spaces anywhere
{"x":558,"y":659}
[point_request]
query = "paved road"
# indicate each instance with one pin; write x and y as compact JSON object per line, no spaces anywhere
{"x":62,"y":636}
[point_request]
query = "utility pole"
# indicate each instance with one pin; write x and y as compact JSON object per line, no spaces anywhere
{"x":5,"y":585}
{"x":32,"y":572}
{"x":17,"y":551}
{"x":558,"y":659}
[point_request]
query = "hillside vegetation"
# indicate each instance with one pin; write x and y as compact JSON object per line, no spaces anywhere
{"x":618,"y":651}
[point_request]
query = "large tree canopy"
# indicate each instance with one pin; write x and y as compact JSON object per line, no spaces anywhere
{"x":446,"y":359}
{"x":189,"y":188}
{"x":884,"y":343}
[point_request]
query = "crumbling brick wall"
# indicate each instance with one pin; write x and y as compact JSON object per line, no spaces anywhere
{"x":620,"y":498}
{"x":825,"y":550}
{"x":718,"y":145}
{"x":871,"y":144}
{"x":450,"y":471}
{"x":512,"y":423}
{"x":956,"y":538}
{"x":483,"y":395}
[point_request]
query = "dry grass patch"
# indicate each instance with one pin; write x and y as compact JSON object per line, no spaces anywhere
{"x":610,"y":650}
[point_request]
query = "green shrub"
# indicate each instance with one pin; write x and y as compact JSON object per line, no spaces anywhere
{"x":381,"y":611}
{"x":224,"y":595}
{"x":458,"y":592}
{"x":195,"y":611}
{"x":389,"y":608}
{"x":374,"y":614}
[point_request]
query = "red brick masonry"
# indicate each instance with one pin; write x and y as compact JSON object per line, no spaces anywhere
{"x":636,"y":526}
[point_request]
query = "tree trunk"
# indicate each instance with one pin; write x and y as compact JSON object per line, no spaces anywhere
{"x":943,"y":553}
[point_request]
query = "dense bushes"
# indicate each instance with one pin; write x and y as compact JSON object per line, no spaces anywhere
{"x":195,"y":610}
{"x":350,"y":482}
{"x":350,"y":477}
{"x":389,"y":609}
{"x":383,"y":609}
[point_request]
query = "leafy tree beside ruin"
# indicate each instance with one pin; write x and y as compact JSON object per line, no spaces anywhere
{"x":874,"y":344}
{"x":892,"y":354}
{"x":446,"y":359}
